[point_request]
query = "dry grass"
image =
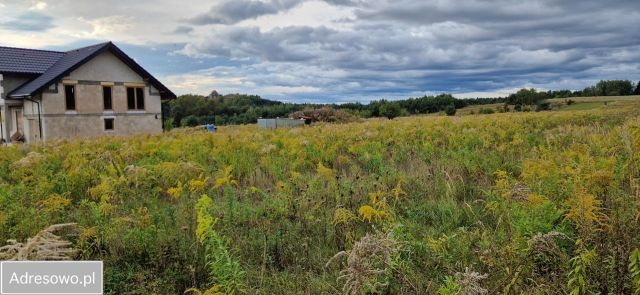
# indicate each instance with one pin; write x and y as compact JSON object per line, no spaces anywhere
{"x":367,"y":264}
{"x":45,"y":245}
{"x":469,"y":281}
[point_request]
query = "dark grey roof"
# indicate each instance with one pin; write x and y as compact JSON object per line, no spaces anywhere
{"x":71,"y":60}
{"x":27,"y":61}
{"x":65,"y":64}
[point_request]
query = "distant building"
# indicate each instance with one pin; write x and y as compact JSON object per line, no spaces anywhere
{"x":90,"y":91}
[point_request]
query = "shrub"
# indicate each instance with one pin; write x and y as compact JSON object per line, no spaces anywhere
{"x":486,"y":111}
{"x":450,"y":110}
{"x":325,"y":114}
{"x":190,"y":121}
{"x":543,"y":106}
{"x":518,"y":108}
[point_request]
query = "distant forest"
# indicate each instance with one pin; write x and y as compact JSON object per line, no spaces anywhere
{"x":194,"y":110}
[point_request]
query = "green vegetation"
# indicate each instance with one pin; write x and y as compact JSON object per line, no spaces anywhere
{"x":509,"y":203}
{"x":450,"y":110}
{"x":610,"y":88}
{"x":195,"y":110}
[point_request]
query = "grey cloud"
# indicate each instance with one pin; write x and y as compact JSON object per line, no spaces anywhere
{"x":346,"y":2}
{"x":496,"y":11}
{"x":181,"y":29}
{"x":29,"y":22}
{"x":413,"y":46}
{"x":233,"y":11}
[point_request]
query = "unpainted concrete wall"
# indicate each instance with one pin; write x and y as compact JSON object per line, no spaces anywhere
{"x":88,"y":119}
{"x":91,"y":126}
{"x":105,"y":67}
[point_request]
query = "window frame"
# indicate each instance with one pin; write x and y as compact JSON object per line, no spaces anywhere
{"x":75,"y":96}
{"x":104,"y":107}
{"x":135,"y":98}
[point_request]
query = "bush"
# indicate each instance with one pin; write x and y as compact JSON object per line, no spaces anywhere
{"x":504,"y":108}
{"x":450,"y":110}
{"x":486,"y":111}
{"x":190,"y":121}
{"x":543,"y":106}
{"x":168,"y":124}
{"x":325,"y":114}
{"x":518,"y":108}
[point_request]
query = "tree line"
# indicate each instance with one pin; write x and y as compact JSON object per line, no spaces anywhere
{"x":602,"y":88}
{"x":194,"y":110}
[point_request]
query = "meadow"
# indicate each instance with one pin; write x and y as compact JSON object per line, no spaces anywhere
{"x":506,"y":203}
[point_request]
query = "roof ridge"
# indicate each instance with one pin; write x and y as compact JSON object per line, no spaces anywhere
{"x":85,"y":47}
{"x":31,"y":49}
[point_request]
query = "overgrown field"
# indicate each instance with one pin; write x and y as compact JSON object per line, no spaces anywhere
{"x":514,"y":203}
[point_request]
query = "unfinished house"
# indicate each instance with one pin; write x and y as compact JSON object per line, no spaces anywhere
{"x":91,"y":91}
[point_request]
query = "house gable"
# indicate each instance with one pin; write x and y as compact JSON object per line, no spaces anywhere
{"x":105,"y":67}
{"x":74,"y":59}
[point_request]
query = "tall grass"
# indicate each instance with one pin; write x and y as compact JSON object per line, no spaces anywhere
{"x":471,"y":203}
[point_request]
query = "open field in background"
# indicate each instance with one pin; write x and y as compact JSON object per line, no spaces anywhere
{"x":513,"y":203}
{"x":599,"y":98}
{"x":581,"y":103}
{"x":598,"y":102}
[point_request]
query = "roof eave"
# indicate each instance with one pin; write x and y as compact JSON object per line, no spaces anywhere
{"x":165,"y":92}
{"x":73,"y":68}
{"x":166,"y":96}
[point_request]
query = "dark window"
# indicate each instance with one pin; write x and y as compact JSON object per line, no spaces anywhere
{"x":106,"y":95}
{"x":135,"y":98}
{"x":70,"y":97}
{"x":131,"y":98}
{"x":108,"y":124}
{"x":140,"y":98}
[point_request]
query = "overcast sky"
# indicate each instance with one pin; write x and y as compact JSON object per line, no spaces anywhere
{"x":347,"y":50}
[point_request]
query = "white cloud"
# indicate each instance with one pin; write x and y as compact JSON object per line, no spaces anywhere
{"x":39,"y":6}
{"x":312,"y":13}
{"x":202,"y":82}
{"x":107,"y":26}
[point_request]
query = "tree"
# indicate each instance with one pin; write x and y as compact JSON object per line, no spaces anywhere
{"x":527,"y":97}
{"x":190,"y":121}
{"x":637,"y":91}
{"x":613,"y":88}
{"x":450,"y":110}
{"x":390,"y":110}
